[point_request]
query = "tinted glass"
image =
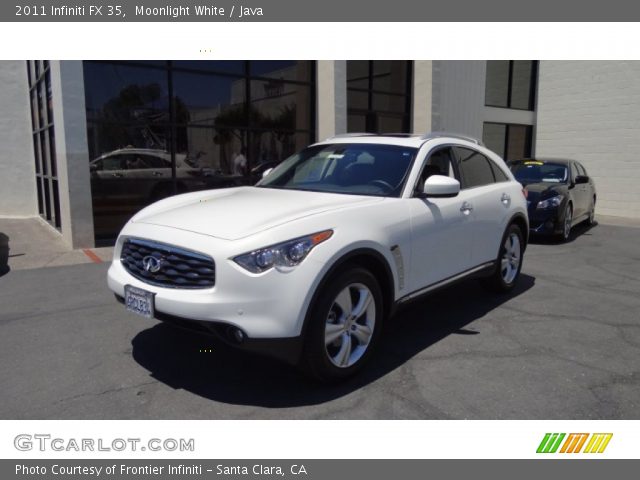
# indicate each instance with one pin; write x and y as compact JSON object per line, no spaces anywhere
{"x":360,"y":169}
{"x":474,"y":167}
{"x":171,"y":127}
{"x":539,"y":172}
{"x":497,"y":85}
{"x":521,"y":84}
{"x":499,"y":175}
{"x":226,"y":66}
{"x":390,"y":76}
{"x":494,"y":136}
{"x":209,"y":99}
{"x":125,"y":93}
{"x":377,"y":96}
{"x":518,"y":142}
{"x":279,"y":105}
{"x":288,"y":70}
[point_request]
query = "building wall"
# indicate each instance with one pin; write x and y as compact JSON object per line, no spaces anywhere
{"x":458,"y":97}
{"x":17,"y":169}
{"x":72,"y":151}
{"x":590,"y":111}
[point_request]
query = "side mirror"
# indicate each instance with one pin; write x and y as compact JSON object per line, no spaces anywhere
{"x":582,"y":179}
{"x":438,"y":186}
{"x":266,"y":172}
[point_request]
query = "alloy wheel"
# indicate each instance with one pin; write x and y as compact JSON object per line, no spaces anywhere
{"x":510,"y":262}
{"x":568,"y":217}
{"x":349,"y":325}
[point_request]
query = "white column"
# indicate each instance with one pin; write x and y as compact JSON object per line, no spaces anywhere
{"x":72,"y":152}
{"x":331,"y":98}
{"x":421,"y":106}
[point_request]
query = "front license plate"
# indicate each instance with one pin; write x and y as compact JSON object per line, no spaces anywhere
{"x":138,"y":301}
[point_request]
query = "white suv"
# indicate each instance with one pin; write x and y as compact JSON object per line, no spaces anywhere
{"x":309,"y":263}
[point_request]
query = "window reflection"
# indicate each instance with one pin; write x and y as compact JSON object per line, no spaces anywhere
{"x":189,"y":125}
{"x":378,"y":94}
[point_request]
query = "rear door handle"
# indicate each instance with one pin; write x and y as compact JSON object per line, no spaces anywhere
{"x":466,"y":208}
{"x":505,"y":198}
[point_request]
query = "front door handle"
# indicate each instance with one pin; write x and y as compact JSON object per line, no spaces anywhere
{"x":466,"y":208}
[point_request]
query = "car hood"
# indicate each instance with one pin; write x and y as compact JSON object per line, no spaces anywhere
{"x":543,"y":190}
{"x":235,"y":213}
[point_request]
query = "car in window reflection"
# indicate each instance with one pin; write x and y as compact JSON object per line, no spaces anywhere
{"x":560,"y":194}
{"x":136,"y":177}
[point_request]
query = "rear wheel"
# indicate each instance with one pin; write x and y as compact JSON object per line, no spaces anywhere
{"x":592,"y":213}
{"x":509,"y":261}
{"x":345,"y":324}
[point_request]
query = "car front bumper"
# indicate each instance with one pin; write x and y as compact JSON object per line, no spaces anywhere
{"x":267,"y":306}
{"x":545,"y":221}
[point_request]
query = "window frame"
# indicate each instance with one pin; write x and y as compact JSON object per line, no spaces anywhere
{"x":463,"y":182}
{"x":533,"y":88}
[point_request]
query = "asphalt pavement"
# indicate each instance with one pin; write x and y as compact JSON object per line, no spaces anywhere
{"x":564,"y":345}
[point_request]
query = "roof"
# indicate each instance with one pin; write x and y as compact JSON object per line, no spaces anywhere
{"x":415,"y":140}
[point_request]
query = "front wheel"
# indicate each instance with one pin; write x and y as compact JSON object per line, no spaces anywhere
{"x":566,"y":225}
{"x":509,"y":261}
{"x":345,"y":323}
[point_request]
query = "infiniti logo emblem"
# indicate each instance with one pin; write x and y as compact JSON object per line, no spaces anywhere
{"x":151,"y":264}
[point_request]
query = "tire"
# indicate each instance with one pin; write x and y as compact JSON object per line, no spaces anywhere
{"x":591,"y":220}
{"x":509,"y":261}
{"x":566,"y":225}
{"x":337,"y":343}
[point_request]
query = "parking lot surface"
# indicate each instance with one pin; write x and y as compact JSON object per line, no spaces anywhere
{"x":564,"y":345}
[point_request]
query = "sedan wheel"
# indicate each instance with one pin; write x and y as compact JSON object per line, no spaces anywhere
{"x":568,"y":218}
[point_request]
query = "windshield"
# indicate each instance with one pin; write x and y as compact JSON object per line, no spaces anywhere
{"x":357,"y":169}
{"x":537,"y":172}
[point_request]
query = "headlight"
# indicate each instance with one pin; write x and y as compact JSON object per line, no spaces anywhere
{"x":551,"y":202}
{"x":285,"y":254}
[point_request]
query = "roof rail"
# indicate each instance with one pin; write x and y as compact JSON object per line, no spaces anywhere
{"x":347,"y":135}
{"x":432,"y":135}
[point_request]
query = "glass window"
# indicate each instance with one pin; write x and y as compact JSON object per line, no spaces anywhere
{"x":533,"y":171}
{"x":498,"y":173}
{"x":522,"y":84}
{"x":356,"y":169}
{"x":209,"y":99}
{"x":518,"y":142}
{"x":378,"y":96}
{"x":171,"y":127}
{"x":44,"y":146}
{"x":123,"y":93}
{"x":497,"y":85}
{"x":222,"y":66}
{"x":511,"y":84}
{"x":279,"y":105}
{"x":474,"y":168}
{"x":509,"y":141}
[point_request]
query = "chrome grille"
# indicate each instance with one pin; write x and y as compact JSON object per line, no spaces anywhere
{"x":177,"y":267}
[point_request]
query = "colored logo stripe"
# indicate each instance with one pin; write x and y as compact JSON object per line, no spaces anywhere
{"x":550,"y":443}
{"x":575,"y":441}
{"x":598,"y":442}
